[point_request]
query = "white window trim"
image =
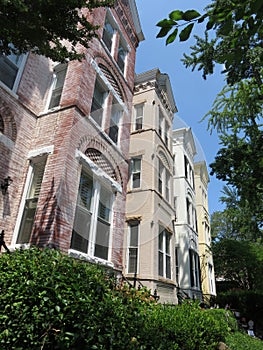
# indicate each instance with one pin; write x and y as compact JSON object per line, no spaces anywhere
{"x":89,"y":255}
{"x":18,"y":77}
{"x":132,"y":172}
{"x":129,"y":246}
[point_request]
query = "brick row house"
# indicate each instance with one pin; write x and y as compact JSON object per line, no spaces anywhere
{"x":91,"y":159}
{"x":64,"y":142}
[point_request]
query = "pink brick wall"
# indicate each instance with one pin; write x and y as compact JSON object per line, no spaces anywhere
{"x":66,"y":129}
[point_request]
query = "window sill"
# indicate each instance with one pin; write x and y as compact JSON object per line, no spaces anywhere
{"x":92,"y":259}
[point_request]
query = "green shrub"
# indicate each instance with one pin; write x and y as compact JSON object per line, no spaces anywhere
{"x":51,"y":301}
{"x":242,"y":341}
{"x":187,"y":327}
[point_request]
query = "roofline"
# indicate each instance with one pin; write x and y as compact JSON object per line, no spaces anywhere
{"x":136,"y":20}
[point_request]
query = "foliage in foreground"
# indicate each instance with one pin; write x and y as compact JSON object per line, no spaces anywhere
{"x":239,"y":341}
{"x":40,"y":26}
{"x":51,"y":301}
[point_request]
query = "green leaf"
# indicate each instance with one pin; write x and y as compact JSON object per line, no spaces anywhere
{"x":185,"y":33}
{"x":190,"y":14}
{"x":163,"y":32}
{"x":210,"y":24}
{"x":172,"y":37}
{"x":176,"y":15}
{"x":166,"y":23}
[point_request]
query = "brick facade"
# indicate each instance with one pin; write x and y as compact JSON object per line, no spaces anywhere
{"x":31,"y":131}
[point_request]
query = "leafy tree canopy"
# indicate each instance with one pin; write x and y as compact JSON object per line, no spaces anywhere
{"x":237,"y":43}
{"x":44,"y":27}
{"x":233,"y":34}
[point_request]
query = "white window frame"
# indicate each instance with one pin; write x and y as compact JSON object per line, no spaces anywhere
{"x":99,"y":84}
{"x":134,"y":173}
{"x":98,"y":185}
{"x":164,"y":270}
{"x":115,"y":120}
{"x":138,"y":116}
{"x":135,"y":247}
{"x":20,"y":69}
{"x":61,"y":67}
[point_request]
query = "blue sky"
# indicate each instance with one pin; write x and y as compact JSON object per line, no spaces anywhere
{"x":193,"y":95}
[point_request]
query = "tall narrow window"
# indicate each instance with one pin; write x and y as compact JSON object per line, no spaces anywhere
{"x":97,"y":107}
{"x":194,"y":266}
{"x":176,"y":265}
{"x":31,"y":202}
{"x":161,"y":121}
{"x":136,"y":172}
{"x":92,"y":224}
{"x":9,"y":68}
{"x":167,"y":186}
{"x":103,"y":224}
{"x":160,"y":176}
{"x":166,"y":133}
{"x":116,"y":114}
{"x":133,"y":241}
{"x":108,"y":33}
{"x":122,"y":53}
{"x":186,"y":166}
{"x":81,"y":230}
{"x":60,"y":72}
{"x":139,"y":116}
{"x":164,"y":261}
{"x":188,"y":213}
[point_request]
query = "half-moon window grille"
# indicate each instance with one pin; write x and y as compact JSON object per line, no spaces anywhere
{"x":111,"y":80}
{"x":100,"y":160}
{"x":164,"y":160}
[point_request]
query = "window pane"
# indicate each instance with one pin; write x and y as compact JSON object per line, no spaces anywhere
{"x":132,"y":265}
{"x":168,"y":266}
{"x":105,"y":204}
{"x":60,"y":74}
{"x":8,"y":71}
{"x":108,"y":34}
{"x":85,"y":191}
{"x":160,"y":264}
{"x":167,"y":243}
{"x":99,"y":96}
{"x":102,"y":239}
{"x":81,"y":230}
{"x":136,"y":180}
{"x":115,"y":121}
{"x":161,"y":241}
{"x":136,"y":165}
{"x":121,"y":57}
{"x":134,"y":235}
